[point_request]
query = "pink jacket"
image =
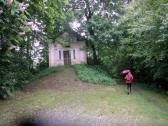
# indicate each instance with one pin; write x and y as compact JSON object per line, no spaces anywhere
{"x":129,"y":78}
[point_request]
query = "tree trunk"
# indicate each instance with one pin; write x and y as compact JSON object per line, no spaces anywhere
{"x":28,"y":53}
{"x":95,"y":59}
{"x":89,"y":14}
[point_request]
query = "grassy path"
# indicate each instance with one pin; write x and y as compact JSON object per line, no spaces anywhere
{"x":153,"y":97}
{"x":63,"y":99}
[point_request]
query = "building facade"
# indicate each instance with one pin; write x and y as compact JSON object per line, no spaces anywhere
{"x":74,"y":54}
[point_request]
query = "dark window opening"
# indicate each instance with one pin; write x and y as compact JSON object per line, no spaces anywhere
{"x":60,"y":54}
{"x":74,"y":53}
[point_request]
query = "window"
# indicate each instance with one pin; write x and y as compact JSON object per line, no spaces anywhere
{"x":74,"y":53}
{"x":60,"y":54}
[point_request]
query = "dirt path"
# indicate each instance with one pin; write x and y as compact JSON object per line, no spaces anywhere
{"x":61,"y":81}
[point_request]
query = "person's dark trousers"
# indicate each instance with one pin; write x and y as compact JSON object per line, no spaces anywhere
{"x":129,"y":88}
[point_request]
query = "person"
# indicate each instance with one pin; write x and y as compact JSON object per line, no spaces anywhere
{"x":129,"y":78}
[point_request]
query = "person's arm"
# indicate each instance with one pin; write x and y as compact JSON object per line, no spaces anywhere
{"x":132,"y":78}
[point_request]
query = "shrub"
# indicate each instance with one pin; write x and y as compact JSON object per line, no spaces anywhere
{"x":7,"y":85}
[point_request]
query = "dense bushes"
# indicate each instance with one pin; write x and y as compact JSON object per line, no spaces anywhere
{"x":14,"y":73}
{"x":137,"y":41}
{"x":93,"y":74}
{"x":26,"y":28}
{"x":146,"y":37}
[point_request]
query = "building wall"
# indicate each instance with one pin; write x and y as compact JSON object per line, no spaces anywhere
{"x":80,"y":53}
{"x":56,"y":57}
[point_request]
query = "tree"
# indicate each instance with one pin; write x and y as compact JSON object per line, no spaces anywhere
{"x":22,"y":24}
{"x":143,"y":39}
{"x":86,"y":10}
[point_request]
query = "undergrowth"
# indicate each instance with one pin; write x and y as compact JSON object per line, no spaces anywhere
{"x":47,"y":72}
{"x":93,"y":74}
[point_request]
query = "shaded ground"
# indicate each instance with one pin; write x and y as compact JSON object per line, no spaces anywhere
{"x":62,"y":99}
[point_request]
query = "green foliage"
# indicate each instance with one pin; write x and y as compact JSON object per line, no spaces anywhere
{"x":18,"y":38}
{"x":136,"y":38}
{"x":146,"y":37}
{"x":96,"y":19}
{"x":65,"y":40}
{"x":14,"y":73}
{"x":46,"y":72}
{"x":94,"y":74}
{"x":137,"y":41}
{"x":7,"y":85}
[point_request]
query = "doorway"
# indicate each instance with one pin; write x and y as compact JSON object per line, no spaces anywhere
{"x":67,"y":58}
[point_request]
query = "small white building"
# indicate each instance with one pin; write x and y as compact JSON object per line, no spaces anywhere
{"x":75,"y":53}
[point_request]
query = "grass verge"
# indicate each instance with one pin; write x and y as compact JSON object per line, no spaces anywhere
{"x":93,"y":74}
